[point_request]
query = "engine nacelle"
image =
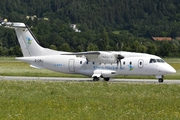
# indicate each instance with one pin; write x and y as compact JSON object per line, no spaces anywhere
{"x":104,"y":57}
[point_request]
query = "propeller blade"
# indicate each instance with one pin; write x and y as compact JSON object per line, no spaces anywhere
{"x":119,"y":57}
{"x":120,"y":64}
{"x":117,"y":62}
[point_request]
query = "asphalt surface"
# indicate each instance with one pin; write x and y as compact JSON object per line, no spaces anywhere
{"x":60,"y":79}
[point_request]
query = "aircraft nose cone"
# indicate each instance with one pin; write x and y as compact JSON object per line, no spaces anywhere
{"x":171,"y":70}
{"x":167,"y":69}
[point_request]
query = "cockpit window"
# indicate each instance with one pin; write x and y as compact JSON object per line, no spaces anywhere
{"x":152,"y":61}
{"x":160,"y":60}
{"x":156,"y":60}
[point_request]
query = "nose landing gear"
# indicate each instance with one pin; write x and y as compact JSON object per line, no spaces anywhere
{"x":106,"y":79}
{"x":160,"y":80}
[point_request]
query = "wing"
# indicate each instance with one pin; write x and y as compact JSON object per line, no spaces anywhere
{"x":99,"y":56}
{"x":80,"y":54}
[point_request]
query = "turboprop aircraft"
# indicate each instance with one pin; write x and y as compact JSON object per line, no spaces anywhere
{"x":97,"y":64}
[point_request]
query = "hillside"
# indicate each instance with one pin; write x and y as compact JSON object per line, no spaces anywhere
{"x":135,"y":22}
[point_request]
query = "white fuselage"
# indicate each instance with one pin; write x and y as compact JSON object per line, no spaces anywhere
{"x":97,"y":64}
{"x":132,"y":64}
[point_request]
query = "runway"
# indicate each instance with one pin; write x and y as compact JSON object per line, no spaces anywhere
{"x":63,"y":79}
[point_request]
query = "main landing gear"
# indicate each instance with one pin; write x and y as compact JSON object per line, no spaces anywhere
{"x":95,"y":78}
{"x":160,"y":78}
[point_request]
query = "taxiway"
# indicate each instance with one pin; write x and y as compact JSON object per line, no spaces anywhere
{"x":62,"y":79}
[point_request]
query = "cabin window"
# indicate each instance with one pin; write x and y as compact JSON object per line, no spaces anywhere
{"x":152,"y":61}
{"x":124,"y":63}
{"x":80,"y":62}
{"x":141,"y":62}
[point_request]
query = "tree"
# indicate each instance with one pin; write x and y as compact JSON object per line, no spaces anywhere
{"x":53,"y":47}
{"x":92,"y":47}
{"x":135,"y":46}
{"x":98,"y":19}
{"x":105,"y":39}
{"x":164,"y":49}
{"x":65,"y":47}
{"x":151,"y":48}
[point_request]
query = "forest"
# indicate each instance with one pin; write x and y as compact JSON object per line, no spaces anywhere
{"x":111,"y":25}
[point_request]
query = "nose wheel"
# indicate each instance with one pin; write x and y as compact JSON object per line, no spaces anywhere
{"x":106,"y":79}
{"x":160,"y":80}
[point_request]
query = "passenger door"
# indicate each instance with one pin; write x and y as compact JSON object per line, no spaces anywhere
{"x":72,"y":65}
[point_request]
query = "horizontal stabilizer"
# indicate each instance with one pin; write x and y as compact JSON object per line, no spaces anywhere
{"x":13,"y":25}
{"x":35,"y":66}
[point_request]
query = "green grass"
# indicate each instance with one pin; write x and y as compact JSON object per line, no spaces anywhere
{"x":88,"y":101}
{"x":38,"y":100}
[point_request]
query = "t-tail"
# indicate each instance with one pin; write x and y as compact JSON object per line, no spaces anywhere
{"x":28,"y":41}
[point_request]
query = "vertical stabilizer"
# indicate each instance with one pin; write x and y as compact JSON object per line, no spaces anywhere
{"x":27,"y":41}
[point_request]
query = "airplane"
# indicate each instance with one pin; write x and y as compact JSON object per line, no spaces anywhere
{"x":97,"y":64}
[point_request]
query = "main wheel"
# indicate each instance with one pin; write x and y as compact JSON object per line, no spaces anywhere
{"x":95,"y":78}
{"x":160,"y":80}
{"x":106,"y":79}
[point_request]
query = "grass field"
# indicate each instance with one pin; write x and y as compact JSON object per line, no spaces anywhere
{"x":38,"y":100}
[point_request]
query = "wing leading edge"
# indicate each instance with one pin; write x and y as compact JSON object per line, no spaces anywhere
{"x":99,"y":56}
{"x":79,"y":54}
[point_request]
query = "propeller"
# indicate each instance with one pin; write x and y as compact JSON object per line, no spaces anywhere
{"x":119,"y":57}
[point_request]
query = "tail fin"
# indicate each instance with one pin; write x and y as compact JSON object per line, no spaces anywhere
{"x":28,"y":42}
